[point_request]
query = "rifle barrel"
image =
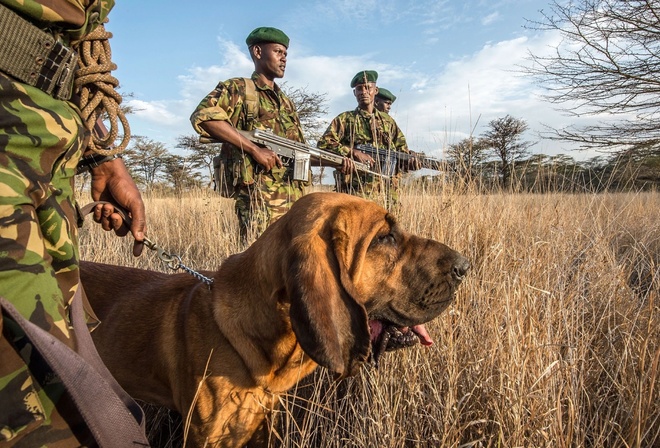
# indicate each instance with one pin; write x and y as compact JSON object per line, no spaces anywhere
{"x":387,"y":154}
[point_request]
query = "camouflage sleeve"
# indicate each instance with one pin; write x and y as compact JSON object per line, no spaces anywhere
{"x":224,"y":103}
{"x":333,"y":138}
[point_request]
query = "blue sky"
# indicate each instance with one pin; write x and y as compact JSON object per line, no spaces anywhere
{"x":453,"y":66}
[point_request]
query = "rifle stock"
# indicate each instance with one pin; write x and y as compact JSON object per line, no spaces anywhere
{"x":300,"y":154}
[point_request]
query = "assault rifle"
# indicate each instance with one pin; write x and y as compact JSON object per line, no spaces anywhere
{"x":389,"y":160}
{"x":299,"y":154}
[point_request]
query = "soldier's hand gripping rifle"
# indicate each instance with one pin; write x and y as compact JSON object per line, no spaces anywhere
{"x":299,"y":154}
{"x":390,"y":160}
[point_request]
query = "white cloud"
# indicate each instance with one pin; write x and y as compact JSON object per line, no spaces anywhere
{"x":474,"y":90}
{"x":490,"y":18}
{"x":195,"y":85}
{"x":234,"y":61}
{"x":332,"y":75}
{"x":153,"y":111}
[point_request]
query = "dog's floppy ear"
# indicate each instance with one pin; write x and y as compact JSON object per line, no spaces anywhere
{"x":330,"y":324}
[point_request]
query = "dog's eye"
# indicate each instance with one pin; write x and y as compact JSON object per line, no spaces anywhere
{"x":386,"y":239}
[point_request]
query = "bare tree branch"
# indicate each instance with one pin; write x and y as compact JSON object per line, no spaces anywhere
{"x":311,"y":107}
{"x":607,"y":63}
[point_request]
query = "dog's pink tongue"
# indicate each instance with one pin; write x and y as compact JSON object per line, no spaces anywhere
{"x":375,"y":328}
{"x":424,"y":336}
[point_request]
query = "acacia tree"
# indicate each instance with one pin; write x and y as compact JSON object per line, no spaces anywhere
{"x":504,"y":139}
{"x":145,"y":159}
{"x":466,"y":156}
{"x":202,"y":154}
{"x":179,"y":173}
{"x":608,"y":62}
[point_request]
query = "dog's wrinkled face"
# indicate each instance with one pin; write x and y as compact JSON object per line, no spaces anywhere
{"x":404,"y":281}
{"x":353,"y":272}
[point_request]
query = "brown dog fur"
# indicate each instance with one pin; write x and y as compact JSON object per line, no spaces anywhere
{"x":299,"y":297}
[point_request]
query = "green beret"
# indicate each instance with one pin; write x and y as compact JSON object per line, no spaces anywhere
{"x":364,"y":77}
{"x":267,"y":34}
{"x":385,"y":94}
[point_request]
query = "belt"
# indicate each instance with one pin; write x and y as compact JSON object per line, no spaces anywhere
{"x":34,"y":57}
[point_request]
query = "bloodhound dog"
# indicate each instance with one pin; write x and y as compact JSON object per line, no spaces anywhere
{"x":317,"y":288}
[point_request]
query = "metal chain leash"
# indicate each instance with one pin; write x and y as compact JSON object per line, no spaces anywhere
{"x":173,"y":261}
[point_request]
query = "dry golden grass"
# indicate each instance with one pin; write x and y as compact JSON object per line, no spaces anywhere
{"x":554,"y":339}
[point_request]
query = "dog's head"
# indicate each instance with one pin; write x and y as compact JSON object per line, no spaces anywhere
{"x":352,"y":271}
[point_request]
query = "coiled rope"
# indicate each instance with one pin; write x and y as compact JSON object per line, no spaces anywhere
{"x":96,"y":87}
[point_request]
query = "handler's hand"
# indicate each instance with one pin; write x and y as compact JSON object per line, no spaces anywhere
{"x":112,"y":182}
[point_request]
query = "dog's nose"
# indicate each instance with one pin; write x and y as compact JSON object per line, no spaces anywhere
{"x":461,"y":267}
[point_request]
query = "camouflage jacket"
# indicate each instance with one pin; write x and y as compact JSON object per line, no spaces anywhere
{"x":357,"y":127}
{"x":275,"y":110}
{"x":74,"y":18}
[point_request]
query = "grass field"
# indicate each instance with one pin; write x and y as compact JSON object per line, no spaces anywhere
{"x":553,"y":340}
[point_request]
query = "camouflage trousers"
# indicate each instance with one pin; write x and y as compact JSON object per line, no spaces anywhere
{"x":368,"y":186}
{"x":41,"y":141}
{"x":260,"y":204}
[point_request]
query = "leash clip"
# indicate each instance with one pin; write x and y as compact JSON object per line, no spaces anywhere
{"x":172,"y":261}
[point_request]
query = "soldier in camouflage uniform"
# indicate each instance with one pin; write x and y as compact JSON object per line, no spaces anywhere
{"x":365,"y":125}
{"x":383,"y":100}
{"x":42,"y":138}
{"x":263,"y":188}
